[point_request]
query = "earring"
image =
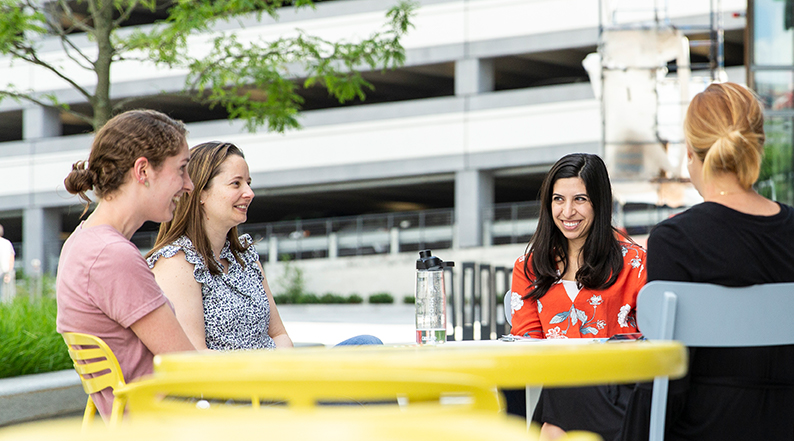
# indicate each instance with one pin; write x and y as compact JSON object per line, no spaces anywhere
{"x":146,"y":184}
{"x":201,"y":202}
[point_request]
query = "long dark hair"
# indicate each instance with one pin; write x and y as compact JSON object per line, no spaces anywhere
{"x":603,"y":259}
{"x":205,"y":163}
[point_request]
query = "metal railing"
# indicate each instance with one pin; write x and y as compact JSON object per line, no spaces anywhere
{"x":372,"y":234}
{"x":345,"y":236}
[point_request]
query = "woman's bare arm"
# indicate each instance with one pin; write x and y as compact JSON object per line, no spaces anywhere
{"x":160,"y":332}
{"x":175,"y":277}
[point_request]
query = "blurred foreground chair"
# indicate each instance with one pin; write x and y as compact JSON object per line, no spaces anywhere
{"x":302,"y":390}
{"x":326,"y":426}
{"x":706,"y":315}
{"x":99,"y":369}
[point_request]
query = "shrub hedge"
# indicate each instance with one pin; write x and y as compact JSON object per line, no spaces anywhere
{"x":381,"y":297}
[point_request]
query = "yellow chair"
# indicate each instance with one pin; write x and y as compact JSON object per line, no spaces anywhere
{"x":301,"y":390}
{"x":99,"y":369}
{"x":326,"y":426}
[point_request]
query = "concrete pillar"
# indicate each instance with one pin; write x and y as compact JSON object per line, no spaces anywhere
{"x":474,"y":190}
{"x":333,"y":245}
{"x":394,"y":240}
{"x":474,"y":194}
{"x":473,"y":76}
{"x":272,"y":250}
{"x":487,"y":237}
{"x":41,"y":238}
{"x":40,"y":122}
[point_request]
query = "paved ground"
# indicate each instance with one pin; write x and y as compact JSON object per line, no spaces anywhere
{"x":330,"y":324}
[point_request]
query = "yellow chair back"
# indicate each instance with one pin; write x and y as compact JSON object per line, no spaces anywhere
{"x":307,"y":389}
{"x":99,"y":369}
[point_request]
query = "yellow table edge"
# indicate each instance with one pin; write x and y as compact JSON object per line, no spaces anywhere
{"x":511,"y":365}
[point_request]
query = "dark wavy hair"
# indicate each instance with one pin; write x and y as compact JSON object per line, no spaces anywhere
{"x":205,"y":163}
{"x":603,"y":259}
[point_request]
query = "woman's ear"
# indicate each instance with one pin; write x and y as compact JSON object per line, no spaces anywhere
{"x":140,"y":169}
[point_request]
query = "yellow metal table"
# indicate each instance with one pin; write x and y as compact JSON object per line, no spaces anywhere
{"x":502,"y":364}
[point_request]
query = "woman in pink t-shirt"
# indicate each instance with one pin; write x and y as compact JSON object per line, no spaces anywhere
{"x":137,"y":169}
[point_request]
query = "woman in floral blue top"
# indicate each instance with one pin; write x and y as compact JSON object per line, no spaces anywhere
{"x":216,"y":282}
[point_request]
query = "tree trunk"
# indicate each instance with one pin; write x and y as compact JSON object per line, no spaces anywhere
{"x":103,"y":25}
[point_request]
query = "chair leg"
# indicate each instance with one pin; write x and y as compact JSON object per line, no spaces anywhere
{"x":89,"y":414}
{"x":117,"y":412}
{"x":658,"y":409}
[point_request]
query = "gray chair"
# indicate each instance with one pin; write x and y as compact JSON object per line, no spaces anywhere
{"x":508,"y":308}
{"x":706,"y":315}
{"x":532,"y":392}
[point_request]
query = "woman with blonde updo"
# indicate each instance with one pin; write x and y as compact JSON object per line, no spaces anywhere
{"x":137,"y":169}
{"x":736,"y":237}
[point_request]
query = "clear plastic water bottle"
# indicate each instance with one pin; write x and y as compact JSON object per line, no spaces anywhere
{"x":431,"y":299}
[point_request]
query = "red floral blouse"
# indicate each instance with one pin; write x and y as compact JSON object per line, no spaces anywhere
{"x":592,"y":313}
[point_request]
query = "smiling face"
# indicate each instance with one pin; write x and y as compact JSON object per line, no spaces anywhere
{"x":228,"y":195}
{"x":572,"y":209}
{"x":169,"y":182}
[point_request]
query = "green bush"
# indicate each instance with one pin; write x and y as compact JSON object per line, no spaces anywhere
{"x":330,"y":297}
{"x":283,"y":299}
{"x":292,"y":284}
{"x":30,"y":344}
{"x":355,"y":298}
{"x":381,"y":297}
{"x":308,"y":298}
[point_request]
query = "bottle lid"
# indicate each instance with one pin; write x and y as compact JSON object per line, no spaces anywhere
{"x":426,"y":261}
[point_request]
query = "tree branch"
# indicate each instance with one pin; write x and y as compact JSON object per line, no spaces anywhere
{"x":126,"y":14}
{"x":118,"y":105}
{"x":23,"y":96}
{"x":29,"y":54}
{"x":76,"y":23}
{"x":67,"y":43}
{"x":93,"y":8}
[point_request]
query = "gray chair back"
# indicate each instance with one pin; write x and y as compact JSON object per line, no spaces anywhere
{"x":508,"y":308}
{"x":706,"y":315}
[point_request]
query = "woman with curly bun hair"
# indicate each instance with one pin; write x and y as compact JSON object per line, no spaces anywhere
{"x":137,"y":169}
{"x":736,"y":237}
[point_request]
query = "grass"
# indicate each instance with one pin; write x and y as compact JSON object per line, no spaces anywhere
{"x":30,"y":344}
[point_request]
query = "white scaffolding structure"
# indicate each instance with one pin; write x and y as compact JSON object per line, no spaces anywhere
{"x":643,"y":77}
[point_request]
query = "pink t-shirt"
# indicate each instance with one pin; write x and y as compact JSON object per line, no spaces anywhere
{"x":103,"y":287}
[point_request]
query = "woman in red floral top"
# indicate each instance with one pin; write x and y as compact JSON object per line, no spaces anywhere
{"x":577,"y":280}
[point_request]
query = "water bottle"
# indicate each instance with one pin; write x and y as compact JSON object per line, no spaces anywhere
{"x":431,"y":299}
